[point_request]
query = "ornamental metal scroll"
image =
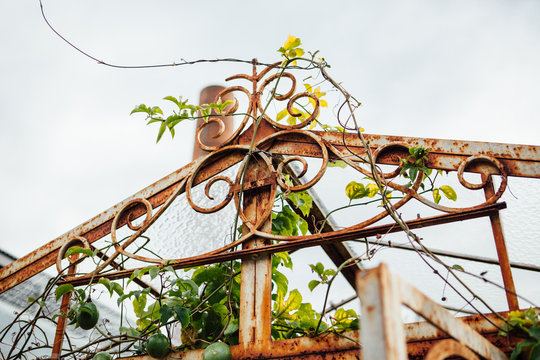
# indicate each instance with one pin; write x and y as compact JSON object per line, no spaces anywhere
{"x":261,"y":150}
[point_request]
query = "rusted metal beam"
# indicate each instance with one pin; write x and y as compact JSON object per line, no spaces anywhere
{"x":454,"y":255}
{"x":442,"y":319}
{"x":100,"y":226}
{"x":256,"y":278}
{"x":61,"y":324}
{"x":519,"y":160}
{"x":136,"y":280}
{"x":382,"y":333}
{"x":421,"y":336}
{"x":502,"y":253}
{"x":446,"y":348}
{"x":313,"y":240}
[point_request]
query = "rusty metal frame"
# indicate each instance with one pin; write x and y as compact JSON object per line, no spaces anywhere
{"x":265,"y":149}
{"x":519,"y":160}
{"x":383,"y":336}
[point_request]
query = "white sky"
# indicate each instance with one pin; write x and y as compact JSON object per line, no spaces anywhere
{"x":69,"y":149}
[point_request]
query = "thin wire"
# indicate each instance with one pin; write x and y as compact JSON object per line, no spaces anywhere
{"x":101,"y":62}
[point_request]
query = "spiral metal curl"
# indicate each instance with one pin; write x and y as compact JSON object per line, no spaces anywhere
{"x":72,"y":259}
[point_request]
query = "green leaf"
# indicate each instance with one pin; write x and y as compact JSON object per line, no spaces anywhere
{"x":206,"y":274}
{"x":285,"y":222}
{"x":458,"y":267}
{"x":337,"y":163}
{"x":449,"y":192}
{"x":281,"y":115}
{"x":166,"y":313}
{"x":413,"y":172}
{"x":531,"y":315}
{"x":117,"y":288}
{"x":153,"y":271}
{"x":107,"y":283}
{"x":535,"y":352}
{"x":220,"y":309}
{"x":231,"y":328}
{"x":78,"y":250}
{"x":129,"y":331}
{"x":139,"y":303}
{"x":436,"y":196}
{"x":291,"y":120}
{"x":283,"y":258}
{"x":81,"y":294}
{"x":521,"y":347}
{"x":302,"y":201}
{"x":355,"y":190}
{"x":182,"y":314}
{"x":373,"y":189}
{"x":313,"y":284}
{"x":188,"y":285}
{"x":62,"y":290}
{"x":162,"y":129}
{"x":134,"y":274}
{"x":173,"y":99}
{"x":329,"y":272}
{"x":153,"y":120}
{"x":31,"y":299}
{"x":534,"y":332}
{"x":156,"y":110}
{"x":317,"y":268}
{"x":140,"y":108}
{"x":281,"y":281}
{"x":284,"y":307}
{"x":303,"y":226}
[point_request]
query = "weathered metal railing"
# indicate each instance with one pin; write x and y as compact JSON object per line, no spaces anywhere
{"x":264,"y":149}
{"x":382,"y":294}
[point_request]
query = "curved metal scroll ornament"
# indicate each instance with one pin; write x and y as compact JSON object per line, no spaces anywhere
{"x":274,"y":169}
{"x":450,"y":348}
{"x":255,"y":105}
{"x":73,"y":258}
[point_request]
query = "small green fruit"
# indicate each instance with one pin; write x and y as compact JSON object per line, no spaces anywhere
{"x":217,"y":351}
{"x":87,"y":316}
{"x":157,"y":346}
{"x":102,"y":356}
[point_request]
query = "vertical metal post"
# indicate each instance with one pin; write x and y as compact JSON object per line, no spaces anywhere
{"x":382,"y":332}
{"x":500,"y":245}
{"x":61,"y":325}
{"x":255,"y":292}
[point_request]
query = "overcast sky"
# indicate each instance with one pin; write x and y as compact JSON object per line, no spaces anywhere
{"x":69,"y":149}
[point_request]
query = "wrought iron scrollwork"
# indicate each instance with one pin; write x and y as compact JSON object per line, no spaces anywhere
{"x":261,"y":152}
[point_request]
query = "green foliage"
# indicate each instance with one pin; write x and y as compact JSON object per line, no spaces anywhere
{"x":303,"y":113}
{"x":355,"y":190}
{"x":62,"y":290}
{"x":78,"y":250}
{"x":293,"y":318}
{"x":184,"y":111}
{"x":112,"y":286}
{"x":287,"y":222}
{"x":291,"y":49}
{"x":415,"y":161}
{"x":525,"y":324}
